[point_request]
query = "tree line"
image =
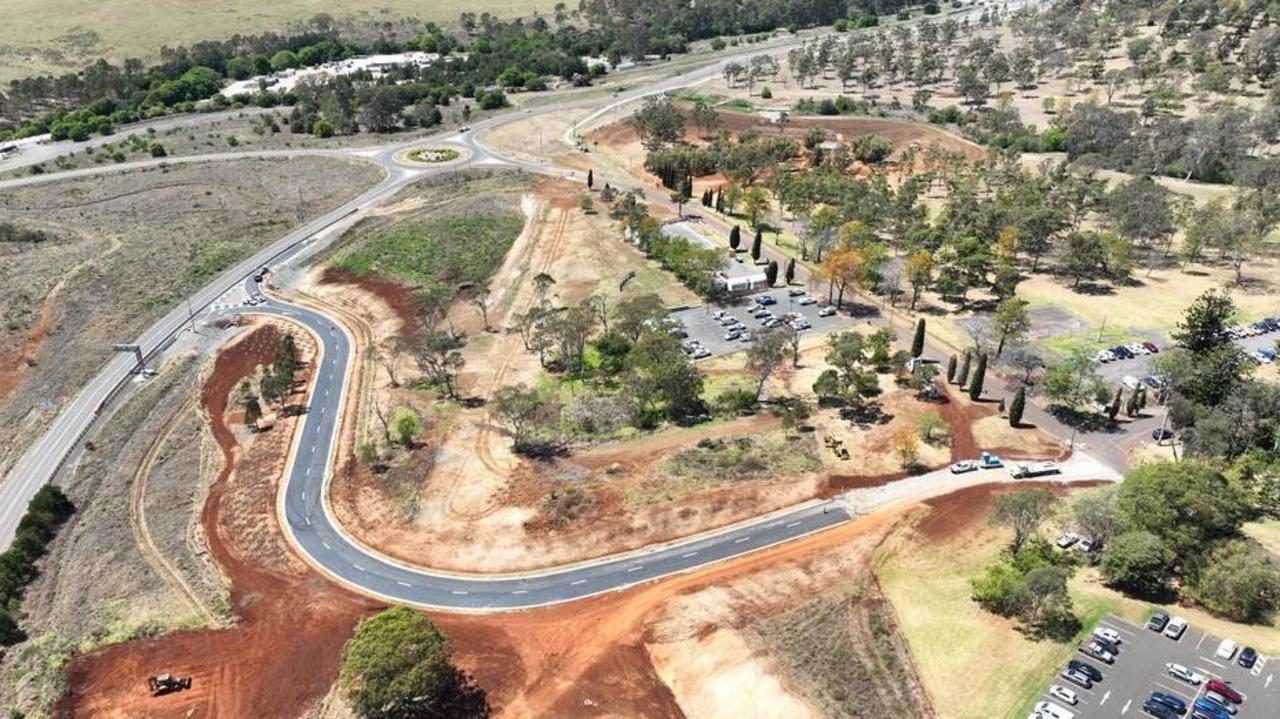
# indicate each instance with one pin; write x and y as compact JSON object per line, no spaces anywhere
{"x":48,"y":510}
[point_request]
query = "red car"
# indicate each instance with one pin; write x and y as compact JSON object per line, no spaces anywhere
{"x":1151,"y":347}
{"x":1224,"y":690}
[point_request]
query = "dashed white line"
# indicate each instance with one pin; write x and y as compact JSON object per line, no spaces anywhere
{"x":459,"y":592}
{"x":308,"y":519}
{"x":1105,"y":697}
{"x":326,"y":545}
{"x":740,"y":540}
{"x":576,"y":582}
{"x":403,"y":584}
{"x":357,"y":566}
{"x":635,"y":568}
{"x":1126,"y":707}
{"x":520,"y":591}
{"x":793,"y":524}
{"x":686,"y":556}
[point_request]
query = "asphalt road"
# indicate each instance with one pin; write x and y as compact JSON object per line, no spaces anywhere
{"x":308,"y":522}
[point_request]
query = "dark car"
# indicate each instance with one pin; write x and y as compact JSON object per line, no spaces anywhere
{"x":1122,"y":352}
{"x":1221,"y":687}
{"x":1160,"y":434}
{"x":1105,"y":644}
{"x":1173,"y":702}
{"x":1248,"y":657}
{"x":1151,"y":346}
{"x":1086,"y":669}
{"x":1077,"y":678}
{"x":1159,"y":710}
{"x":1158,"y":620}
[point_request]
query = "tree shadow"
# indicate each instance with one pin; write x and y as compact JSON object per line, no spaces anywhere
{"x":1093,"y":289}
{"x":1085,"y":421}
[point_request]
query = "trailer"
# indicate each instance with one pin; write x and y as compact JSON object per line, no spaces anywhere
{"x":1033,"y":469}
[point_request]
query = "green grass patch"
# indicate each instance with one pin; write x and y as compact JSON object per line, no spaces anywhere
{"x":739,"y":105}
{"x":438,"y":254}
{"x":210,"y":258}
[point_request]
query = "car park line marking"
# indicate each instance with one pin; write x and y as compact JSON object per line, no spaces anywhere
{"x":1116,"y":626}
{"x":1173,"y":690}
{"x":1126,"y":707}
{"x":1216,"y":664}
{"x":1105,"y":697}
{"x":1267,"y":683}
{"x":308,"y":518}
{"x":576,"y":582}
{"x":740,"y":540}
{"x":1202,"y":638}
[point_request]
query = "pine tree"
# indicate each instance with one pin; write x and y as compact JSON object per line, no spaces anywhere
{"x":735,"y":237}
{"x":791,"y":270}
{"x":1015,"y":408}
{"x":591,"y":179}
{"x":963,"y":378}
{"x":951,"y":369}
{"x":771,"y":273}
{"x":979,"y":378}
{"x":917,"y":342}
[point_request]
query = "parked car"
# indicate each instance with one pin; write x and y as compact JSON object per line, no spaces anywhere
{"x":795,"y":292}
{"x":963,"y":466}
{"x":1260,"y":357}
{"x":765,"y":300}
{"x":1225,"y":690}
{"x":986,"y":460}
{"x":1096,"y":651}
{"x":1049,"y":710}
{"x":1122,"y":352}
{"x":1137,"y":348}
{"x":1064,"y":695}
{"x":1248,"y":657}
{"x":762,"y":312}
{"x":1178,"y":671}
{"x":732,"y":335}
{"x":1159,"y":619}
{"x":1107,"y":634}
{"x":744,"y":337}
{"x":806,"y":300}
{"x":1078,"y":678}
{"x":1160,"y":434}
{"x":1177,"y":627}
{"x":1223,"y":703}
{"x":1152,"y":347}
{"x":826,"y":311}
{"x":1068,"y":539}
{"x":1106,"y":356}
{"x":1086,"y":668}
{"x":1210,"y":707}
{"x":1173,"y":702}
{"x":1226,"y":650}
{"x":1085,"y":545}
{"x":1111,"y":647}
{"x":1158,"y":710}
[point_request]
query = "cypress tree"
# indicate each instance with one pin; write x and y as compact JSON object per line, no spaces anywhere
{"x":791,"y":270}
{"x":1015,"y":409}
{"x":720,"y":202}
{"x":951,"y":369}
{"x":917,"y":343}
{"x":755,"y":247}
{"x":979,"y":377}
{"x":963,"y":378}
{"x":735,"y":237}
{"x":1113,"y":409}
{"x":591,"y":179}
{"x":771,"y":273}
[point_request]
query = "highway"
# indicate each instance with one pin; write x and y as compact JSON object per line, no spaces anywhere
{"x":303,"y":506}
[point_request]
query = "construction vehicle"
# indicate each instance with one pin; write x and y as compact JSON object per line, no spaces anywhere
{"x":167,"y":684}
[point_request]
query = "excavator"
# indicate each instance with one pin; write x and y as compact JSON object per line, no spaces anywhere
{"x":167,"y":684}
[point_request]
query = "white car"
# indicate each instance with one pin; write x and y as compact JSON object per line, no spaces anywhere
{"x":807,"y":301}
{"x":732,"y":335}
{"x":1086,"y":544}
{"x":964,"y":466}
{"x":1049,"y":710}
{"x":1108,"y":634}
{"x":1063,"y":694}
{"x":1180,"y":672}
{"x":826,"y":311}
{"x":1068,"y":539}
{"x":1226,"y":650}
{"x":1137,"y":349}
{"x":1176,"y":628}
{"x":795,"y":292}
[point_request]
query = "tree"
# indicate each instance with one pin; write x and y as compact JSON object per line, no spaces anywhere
{"x":979,"y":377}
{"x":755,"y":247}
{"x":963,"y":377}
{"x":1074,"y":381}
{"x":252,"y":410}
{"x":1137,"y":561}
{"x":919,"y":271}
{"x":907,"y":446}
{"x":917,"y":342}
{"x":828,"y":386}
{"x":1239,"y":582}
{"x":1189,"y":504}
{"x":658,"y":123}
{"x":480,"y":301}
{"x":768,"y":349}
{"x":1204,"y":323}
{"x":931,"y":423}
{"x":397,"y":666}
{"x":1010,"y":321}
{"x":591,"y":178}
{"x":406,"y":424}
{"x":633,"y":315}
{"x":1113,"y":408}
{"x":735,"y":238}
{"x":1023,"y":512}
{"x":790,"y":274}
{"x":531,"y":418}
{"x":951,"y":369}
{"x":1017,"y":406}
{"x":439,"y":359}
{"x":771,"y":273}
{"x":756,"y":203}
{"x":1096,"y":515}
{"x":660,"y":379}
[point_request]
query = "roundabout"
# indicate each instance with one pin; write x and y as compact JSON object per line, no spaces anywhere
{"x":432,"y":155}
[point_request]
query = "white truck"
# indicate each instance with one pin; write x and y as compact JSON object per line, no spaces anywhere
{"x":1024,"y":470}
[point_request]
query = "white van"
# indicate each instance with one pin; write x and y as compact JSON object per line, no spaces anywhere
{"x":1049,"y":710}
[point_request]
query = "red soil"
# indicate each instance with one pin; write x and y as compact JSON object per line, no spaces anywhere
{"x":954,"y":514}
{"x":14,"y":363}
{"x":397,"y":296}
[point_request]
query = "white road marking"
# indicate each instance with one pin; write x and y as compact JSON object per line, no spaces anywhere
{"x":1116,"y":626}
{"x":1178,"y":690}
{"x":357,"y":566}
{"x":576,"y":582}
{"x":638,"y":566}
{"x":326,"y":546}
{"x":1216,"y":664}
{"x":1267,"y":683}
{"x":520,"y":591}
{"x":1202,"y":638}
{"x":740,"y":540}
{"x":1126,"y":706}
{"x":313,"y":449}
{"x":459,"y":592}
{"x":304,"y":495}
{"x":789,"y":526}
{"x":308,"y":518}
{"x":686,"y":556}
{"x":403,"y":584}
{"x":1105,"y":697}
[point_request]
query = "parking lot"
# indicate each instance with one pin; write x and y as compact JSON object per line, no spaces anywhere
{"x":1142,"y":366}
{"x":1140,"y":669}
{"x":705,"y":329}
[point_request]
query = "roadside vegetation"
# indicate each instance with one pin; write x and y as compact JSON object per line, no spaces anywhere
{"x":46,"y":512}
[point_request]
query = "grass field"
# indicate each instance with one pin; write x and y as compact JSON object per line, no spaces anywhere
{"x":59,"y":35}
